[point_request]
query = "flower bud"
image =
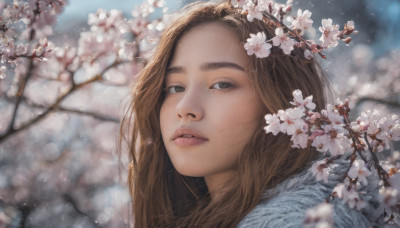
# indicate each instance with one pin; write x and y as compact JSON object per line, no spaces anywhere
{"x":347,"y":40}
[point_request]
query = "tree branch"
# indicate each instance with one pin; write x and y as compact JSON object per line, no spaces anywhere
{"x":69,"y":199}
{"x":69,"y":110}
{"x":382,"y":101}
{"x":88,"y":113}
{"x":28,"y":75}
{"x":11,"y":131}
{"x":20,"y":93}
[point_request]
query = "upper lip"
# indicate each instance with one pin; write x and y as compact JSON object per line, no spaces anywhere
{"x":187,"y":131}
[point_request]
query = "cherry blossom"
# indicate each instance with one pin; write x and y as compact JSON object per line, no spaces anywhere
{"x":333,"y":115}
{"x":390,"y":128}
{"x":300,"y":136}
{"x":350,"y":25}
{"x":3,"y":72}
{"x":269,"y":10}
{"x":138,"y":25}
{"x":320,"y":216}
{"x":239,"y":3}
{"x":257,"y":45}
{"x":17,"y":11}
{"x":320,"y":170}
{"x":300,"y":102}
{"x":106,"y":21}
{"x":145,"y":9}
{"x":331,"y":132}
{"x":253,"y":11}
{"x":292,"y":121}
{"x":157,"y":3}
{"x":308,"y":54}
{"x":330,"y":33}
{"x":278,"y":9}
{"x":283,"y":41}
{"x":380,"y":129}
{"x":360,"y":171}
{"x":389,"y":197}
{"x":349,"y":196}
{"x":302,"y":21}
{"x":273,"y":122}
{"x":363,"y":122}
{"x":332,"y":141}
{"x":264,"y":4}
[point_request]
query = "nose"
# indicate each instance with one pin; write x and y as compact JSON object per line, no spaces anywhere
{"x":190,"y":106}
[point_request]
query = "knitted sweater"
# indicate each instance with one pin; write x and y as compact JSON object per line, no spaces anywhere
{"x":285,"y":205}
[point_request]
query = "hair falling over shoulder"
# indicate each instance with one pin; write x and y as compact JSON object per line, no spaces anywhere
{"x":162,"y":197}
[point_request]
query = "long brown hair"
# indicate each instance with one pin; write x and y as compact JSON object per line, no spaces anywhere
{"x":161,"y":197}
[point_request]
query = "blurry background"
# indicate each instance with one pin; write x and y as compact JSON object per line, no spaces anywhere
{"x":63,"y":170}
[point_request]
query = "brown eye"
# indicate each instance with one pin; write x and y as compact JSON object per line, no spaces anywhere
{"x":222,"y":85}
{"x":174,"y":89}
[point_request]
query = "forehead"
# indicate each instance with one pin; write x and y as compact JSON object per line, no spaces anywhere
{"x":209,"y":42}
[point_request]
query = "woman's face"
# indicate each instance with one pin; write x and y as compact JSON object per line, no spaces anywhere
{"x":210,"y":109}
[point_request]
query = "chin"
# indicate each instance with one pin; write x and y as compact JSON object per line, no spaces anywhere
{"x":188,"y":170}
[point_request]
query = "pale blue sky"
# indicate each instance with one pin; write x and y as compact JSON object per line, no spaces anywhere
{"x":78,"y":10}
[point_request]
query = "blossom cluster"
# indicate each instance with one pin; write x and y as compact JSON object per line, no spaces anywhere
{"x":287,"y":37}
{"x":35,"y":18}
{"x":109,"y":37}
{"x":331,"y":133}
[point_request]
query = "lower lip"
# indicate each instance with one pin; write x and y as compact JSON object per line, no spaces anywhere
{"x":189,"y":141}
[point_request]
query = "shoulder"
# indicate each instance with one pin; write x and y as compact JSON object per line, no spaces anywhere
{"x":286,"y":205}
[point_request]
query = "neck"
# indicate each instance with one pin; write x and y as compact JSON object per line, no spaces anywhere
{"x":217,"y":182}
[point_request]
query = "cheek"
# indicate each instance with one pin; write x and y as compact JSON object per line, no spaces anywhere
{"x":166,"y":114}
{"x":236,"y":120}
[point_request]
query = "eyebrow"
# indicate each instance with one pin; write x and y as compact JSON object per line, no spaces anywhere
{"x":207,"y":67}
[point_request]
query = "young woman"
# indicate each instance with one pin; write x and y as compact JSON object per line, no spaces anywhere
{"x":200,"y":156}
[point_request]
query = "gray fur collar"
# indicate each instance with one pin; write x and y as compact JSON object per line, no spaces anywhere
{"x":286,"y":205}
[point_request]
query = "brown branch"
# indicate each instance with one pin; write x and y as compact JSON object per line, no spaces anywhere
{"x":11,"y":131}
{"x":89,"y":113}
{"x":20,"y":92}
{"x":80,"y":112}
{"x":28,"y":75}
{"x":376,"y":100}
{"x":25,"y":209}
{"x":52,"y":107}
{"x":69,"y":199}
{"x":70,"y":110}
{"x":381,"y":172}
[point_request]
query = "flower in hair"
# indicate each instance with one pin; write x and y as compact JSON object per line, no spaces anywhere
{"x":300,"y":102}
{"x":302,"y":22}
{"x":283,"y":41}
{"x":253,"y":11}
{"x":290,"y":36}
{"x":330,"y":33}
{"x":238,"y":3}
{"x":257,"y":45}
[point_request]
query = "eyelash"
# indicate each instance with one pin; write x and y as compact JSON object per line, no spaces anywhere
{"x":228,"y":84}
